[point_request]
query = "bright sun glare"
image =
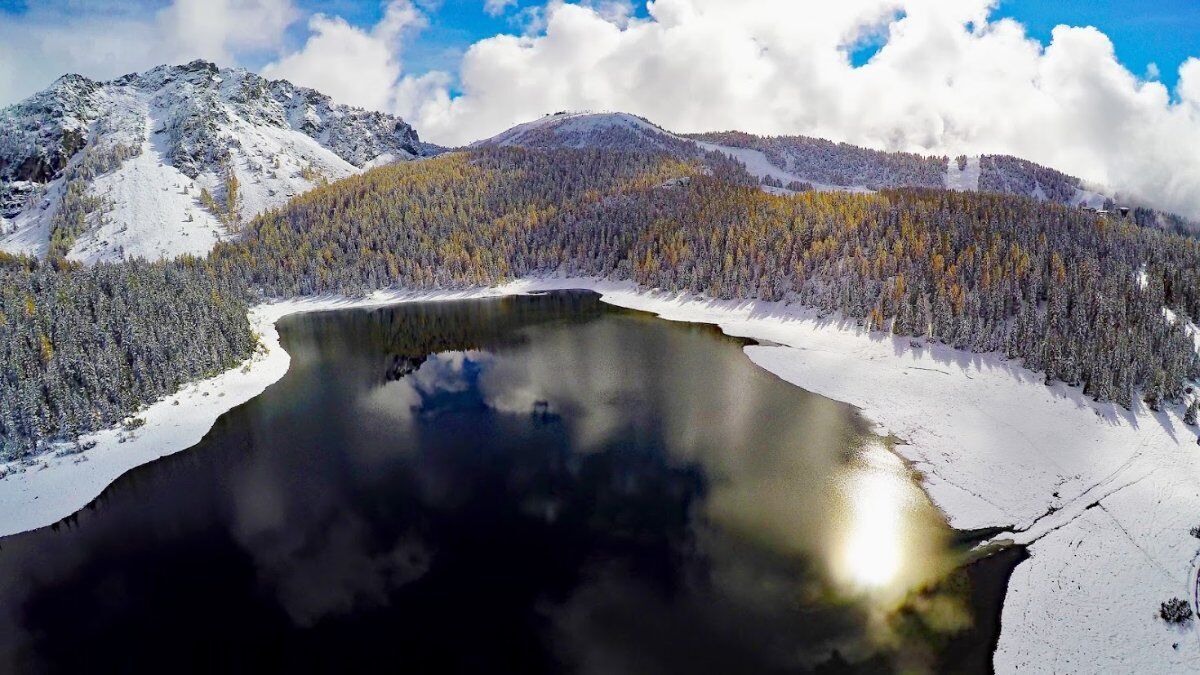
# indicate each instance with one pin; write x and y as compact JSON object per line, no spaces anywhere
{"x":871,"y":551}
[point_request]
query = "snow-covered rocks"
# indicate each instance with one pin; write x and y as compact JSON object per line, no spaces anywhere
{"x":43,"y":132}
{"x":173,"y":159}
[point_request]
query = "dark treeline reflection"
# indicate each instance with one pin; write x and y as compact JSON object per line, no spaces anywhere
{"x":536,"y":484}
{"x":407,"y":334}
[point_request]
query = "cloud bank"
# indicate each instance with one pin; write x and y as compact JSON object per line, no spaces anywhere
{"x":947,"y":77}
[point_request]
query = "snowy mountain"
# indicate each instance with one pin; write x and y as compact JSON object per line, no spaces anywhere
{"x":171,"y":160}
{"x":844,"y":165}
{"x":623,"y":131}
{"x":613,"y":131}
{"x":789,"y":163}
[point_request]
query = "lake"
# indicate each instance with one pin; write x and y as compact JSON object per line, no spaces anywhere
{"x":519,"y":485}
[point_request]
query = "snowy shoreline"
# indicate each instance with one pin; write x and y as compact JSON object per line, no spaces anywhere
{"x":55,"y":487}
{"x":1103,"y":497}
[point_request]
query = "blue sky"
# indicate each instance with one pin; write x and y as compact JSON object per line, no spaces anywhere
{"x":1163,"y":32}
{"x":453,"y":26}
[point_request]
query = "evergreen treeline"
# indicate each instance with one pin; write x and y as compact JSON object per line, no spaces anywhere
{"x":81,"y":348}
{"x":1053,"y":285}
{"x":817,"y":159}
{"x":1011,"y":175}
{"x":1076,"y":295}
{"x":454,"y":221}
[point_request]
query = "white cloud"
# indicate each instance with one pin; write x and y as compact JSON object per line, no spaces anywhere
{"x":618,"y":12}
{"x":947,"y":79}
{"x":216,"y":29}
{"x":497,"y":7}
{"x":1189,"y":83}
{"x":350,"y":64}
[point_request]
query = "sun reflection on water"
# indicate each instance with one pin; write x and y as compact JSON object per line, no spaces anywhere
{"x":872,"y":551}
{"x":877,"y":551}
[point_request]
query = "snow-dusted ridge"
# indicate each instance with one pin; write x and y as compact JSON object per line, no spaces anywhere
{"x":1104,"y":497}
{"x":146,"y":144}
{"x":625,"y":131}
{"x":587,"y":130}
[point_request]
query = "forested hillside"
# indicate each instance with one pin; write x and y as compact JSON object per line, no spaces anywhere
{"x":1077,"y":295}
{"x":840,"y":164}
{"x":1010,"y":175}
{"x":1056,"y":286}
{"x":466,"y":219}
{"x":82,"y":348}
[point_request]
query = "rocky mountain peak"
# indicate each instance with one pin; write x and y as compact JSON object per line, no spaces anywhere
{"x":209,"y":127}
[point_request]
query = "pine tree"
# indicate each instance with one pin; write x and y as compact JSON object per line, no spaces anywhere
{"x":232,"y":197}
{"x":1153,"y":393}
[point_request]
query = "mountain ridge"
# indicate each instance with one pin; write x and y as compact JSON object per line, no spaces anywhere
{"x":216,"y":146}
{"x":791,"y":163}
{"x":176,"y":158}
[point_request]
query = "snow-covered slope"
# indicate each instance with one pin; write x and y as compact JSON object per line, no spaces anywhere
{"x":802,"y":162}
{"x":105,"y":170}
{"x":823,"y":162}
{"x":615,"y":130}
{"x":962,"y":174}
{"x":758,"y":164}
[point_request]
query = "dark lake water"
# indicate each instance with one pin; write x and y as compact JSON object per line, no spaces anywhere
{"x":522,"y":485}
